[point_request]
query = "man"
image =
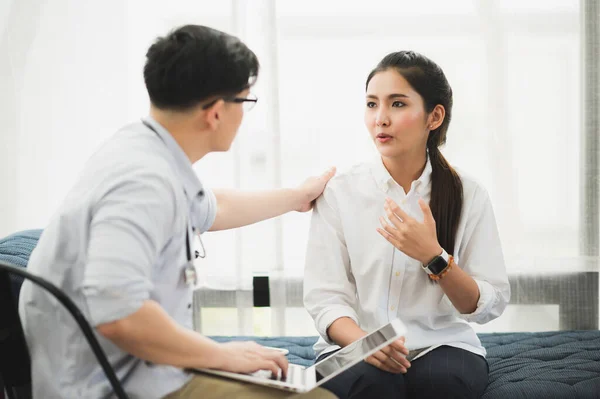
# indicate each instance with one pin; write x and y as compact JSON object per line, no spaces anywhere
{"x":119,"y":245}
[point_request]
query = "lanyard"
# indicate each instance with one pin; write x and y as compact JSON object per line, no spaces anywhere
{"x":190,"y":276}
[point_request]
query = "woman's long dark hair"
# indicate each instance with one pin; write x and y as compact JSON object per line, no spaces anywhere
{"x":428,"y":79}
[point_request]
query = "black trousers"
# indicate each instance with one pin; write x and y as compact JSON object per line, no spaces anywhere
{"x":445,"y":372}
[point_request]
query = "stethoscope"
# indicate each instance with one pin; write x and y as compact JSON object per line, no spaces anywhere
{"x":190,"y":275}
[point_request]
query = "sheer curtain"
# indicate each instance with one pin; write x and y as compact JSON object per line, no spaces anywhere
{"x":515,"y":68}
{"x":71,"y":74}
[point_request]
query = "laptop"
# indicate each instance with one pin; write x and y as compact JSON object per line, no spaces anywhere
{"x":303,"y":379}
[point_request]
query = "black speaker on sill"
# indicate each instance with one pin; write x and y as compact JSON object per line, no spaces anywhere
{"x":261,"y":295}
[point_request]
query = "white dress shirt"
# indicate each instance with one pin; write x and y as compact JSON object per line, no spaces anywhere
{"x":352,"y":271}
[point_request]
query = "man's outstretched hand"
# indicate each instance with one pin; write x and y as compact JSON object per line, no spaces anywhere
{"x":311,"y":189}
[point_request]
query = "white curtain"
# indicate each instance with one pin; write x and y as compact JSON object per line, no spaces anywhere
{"x":71,"y":74}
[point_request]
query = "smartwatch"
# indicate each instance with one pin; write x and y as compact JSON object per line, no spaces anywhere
{"x":437,"y":264}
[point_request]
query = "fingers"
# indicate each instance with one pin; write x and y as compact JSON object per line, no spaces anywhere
{"x":270,"y":365}
{"x":389,"y":234}
{"x":390,"y":238}
{"x":392,"y":365}
{"x":329,"y":173}
{"x":388,"y":364}
{"x":274,"y":356}
{"x":397,"y":210}
{"x":426,"y":210}
{"x":373,"y":361}
{"x":398,"y":357}
{"x":389,"y":229}
{"x":267,"y":359}
{"x":279,"y":359}
{"x":399,"y":346}
{"x":402,"y":351}
{"x":393,"y":218}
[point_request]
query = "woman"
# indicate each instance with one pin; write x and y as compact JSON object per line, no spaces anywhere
{"x":407,"y":237}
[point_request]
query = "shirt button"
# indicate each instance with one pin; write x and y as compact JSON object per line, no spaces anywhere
{"x":397,"y":274}
{"x":392,"y":308}
{"x":189,"y":305}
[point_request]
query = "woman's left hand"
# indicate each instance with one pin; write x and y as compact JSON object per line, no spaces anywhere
{"x":417,"y":240}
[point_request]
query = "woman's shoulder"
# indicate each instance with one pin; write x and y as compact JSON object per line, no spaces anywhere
{"x":474,"y":191}
{"x":351,"y":175}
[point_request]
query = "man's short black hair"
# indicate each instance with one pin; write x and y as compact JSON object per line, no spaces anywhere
{"x":194,"y":63}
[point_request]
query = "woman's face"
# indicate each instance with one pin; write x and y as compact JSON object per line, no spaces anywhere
{"x":395,"y":115}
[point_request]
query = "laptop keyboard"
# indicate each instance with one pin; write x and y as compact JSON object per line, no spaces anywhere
{"x":295,"y":375}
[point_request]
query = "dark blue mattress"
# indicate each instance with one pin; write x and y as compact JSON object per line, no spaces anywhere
{"x":562,"y":364}
{"x":545,"y":365}
{"x":15,"y":249}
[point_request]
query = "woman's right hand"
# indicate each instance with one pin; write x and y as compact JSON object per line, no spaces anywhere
{"x":249,"y":357}
{"x":392,"y":358}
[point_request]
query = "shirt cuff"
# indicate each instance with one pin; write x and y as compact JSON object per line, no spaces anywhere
{"x":112,"y":304}
{"x":331,"y":314}
{"x":212,"y":213}
{"x":487,"y":295}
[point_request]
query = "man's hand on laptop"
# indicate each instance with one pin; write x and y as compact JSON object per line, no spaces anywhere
{"x":392,"y":358}
{"x":249,"y":357}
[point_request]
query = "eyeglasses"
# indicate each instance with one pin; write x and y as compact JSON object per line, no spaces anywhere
{"x":248,"y":103}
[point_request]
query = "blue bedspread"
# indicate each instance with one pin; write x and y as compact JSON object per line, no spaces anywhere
{"x":15,"y":249}
{"x":548,"y":365}
{"x":562,"y":364}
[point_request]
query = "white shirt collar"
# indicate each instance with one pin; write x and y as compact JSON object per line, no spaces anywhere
{"x":384,"y":179}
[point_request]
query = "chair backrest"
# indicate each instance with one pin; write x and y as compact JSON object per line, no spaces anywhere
{"x":14,"y":356}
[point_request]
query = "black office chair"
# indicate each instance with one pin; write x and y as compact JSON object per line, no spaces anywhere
{"x":15,"y":364}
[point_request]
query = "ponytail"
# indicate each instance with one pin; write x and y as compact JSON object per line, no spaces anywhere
{"x":446,"y":198}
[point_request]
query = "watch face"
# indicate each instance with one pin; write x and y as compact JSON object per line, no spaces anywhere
{"x":437,"y":265}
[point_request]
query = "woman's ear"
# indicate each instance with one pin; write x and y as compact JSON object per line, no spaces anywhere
{"x":436,"y":117}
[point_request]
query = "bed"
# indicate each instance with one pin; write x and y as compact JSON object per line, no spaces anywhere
{"x":560,"y":364}
{"x":557,"y":364}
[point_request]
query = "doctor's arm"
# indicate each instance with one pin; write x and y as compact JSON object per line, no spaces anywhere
{"x":237,"y":208}
{"x":130,"y":225}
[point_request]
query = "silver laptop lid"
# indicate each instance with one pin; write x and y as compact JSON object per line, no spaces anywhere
{"x":359,"y":350}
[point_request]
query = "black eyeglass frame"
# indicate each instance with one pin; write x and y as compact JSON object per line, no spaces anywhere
{"x":228,"y":99}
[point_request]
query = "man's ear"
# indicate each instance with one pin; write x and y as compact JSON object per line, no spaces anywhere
{"x":213,"y":115}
